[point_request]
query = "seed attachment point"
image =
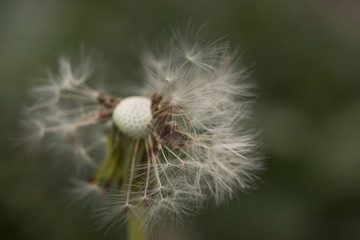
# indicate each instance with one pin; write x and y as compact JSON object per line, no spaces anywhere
{"x":132,"y":116}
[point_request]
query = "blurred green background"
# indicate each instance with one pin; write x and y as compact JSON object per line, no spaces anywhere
{"x":305,"y":55}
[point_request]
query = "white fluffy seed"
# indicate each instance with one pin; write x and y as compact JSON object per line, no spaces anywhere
{"x":132,"y":116}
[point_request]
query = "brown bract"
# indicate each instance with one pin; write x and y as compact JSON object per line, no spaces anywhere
{"x":109,"y":102}
{"x":163,"y":129}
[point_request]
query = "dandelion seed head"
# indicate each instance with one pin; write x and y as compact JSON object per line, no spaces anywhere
{"x":132,"y":116}
{"x":185,"y":140}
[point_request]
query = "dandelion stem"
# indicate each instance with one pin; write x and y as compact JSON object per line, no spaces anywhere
{"x":135,"y":229}
{"x":132,"y":170}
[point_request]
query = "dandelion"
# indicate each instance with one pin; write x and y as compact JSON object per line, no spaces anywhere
{"x":182,"y":142}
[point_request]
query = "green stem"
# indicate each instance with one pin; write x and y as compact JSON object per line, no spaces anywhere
{"x":135,"y":228}
{"x":116,"y":172}
{"x":135,"y":225}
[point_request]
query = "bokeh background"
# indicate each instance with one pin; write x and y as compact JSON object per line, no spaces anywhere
{"x":305,"y":56}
